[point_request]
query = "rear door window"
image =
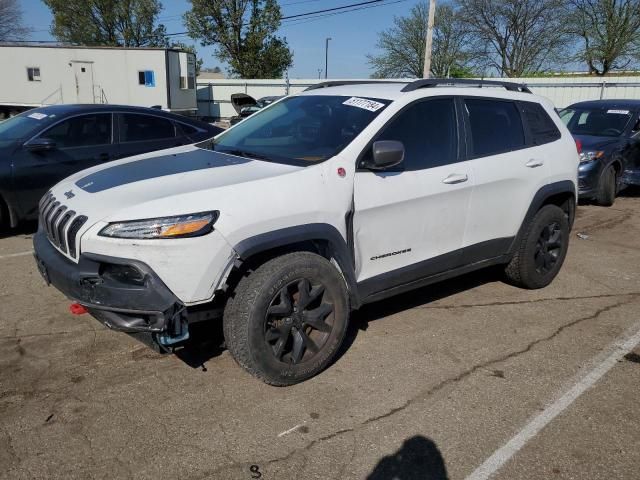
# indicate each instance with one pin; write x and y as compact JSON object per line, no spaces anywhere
{"x":541,"y":128}
{"x":136,"y":127}
{"x":81,"y":131}
{"x":495,"y":126}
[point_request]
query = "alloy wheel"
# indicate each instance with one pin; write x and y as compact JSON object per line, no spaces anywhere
{"x":298,"y":321}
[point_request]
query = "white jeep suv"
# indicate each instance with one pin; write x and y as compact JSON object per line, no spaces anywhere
{"x":339,"y":196}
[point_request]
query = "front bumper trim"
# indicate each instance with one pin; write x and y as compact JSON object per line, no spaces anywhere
{"x":148,"y":306}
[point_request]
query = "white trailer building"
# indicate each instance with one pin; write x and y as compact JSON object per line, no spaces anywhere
{"x":37,"y":75}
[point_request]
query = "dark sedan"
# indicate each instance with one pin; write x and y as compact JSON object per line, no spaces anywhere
{"x":608,"y":134}
{"x":40,"y":147}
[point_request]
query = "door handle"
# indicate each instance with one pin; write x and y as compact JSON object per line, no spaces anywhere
{"x":456,"y":178}
{"x":533,"y":163}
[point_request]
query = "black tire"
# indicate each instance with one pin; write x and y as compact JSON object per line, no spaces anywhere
{"x":542,"y":250}
{"x":4,"y":217}
{"x":607,"y":187}
{"x":280,"y":310}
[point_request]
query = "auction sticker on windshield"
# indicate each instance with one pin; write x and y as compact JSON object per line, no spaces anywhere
{"x":619,"y":112}
{"x":364,"y":104}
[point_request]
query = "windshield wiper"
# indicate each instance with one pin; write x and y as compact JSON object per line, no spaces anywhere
{"x":245,"y":153}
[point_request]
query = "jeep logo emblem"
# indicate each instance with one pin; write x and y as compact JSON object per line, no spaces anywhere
{"x":69,"y":194}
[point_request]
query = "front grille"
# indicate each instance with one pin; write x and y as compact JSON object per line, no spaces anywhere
{"x":55,"y":218}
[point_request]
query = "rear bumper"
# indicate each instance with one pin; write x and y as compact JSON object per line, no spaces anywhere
{"x":141,"y":304}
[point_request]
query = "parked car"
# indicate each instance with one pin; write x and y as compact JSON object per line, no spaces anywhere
{"x":245,"y":105}
{"x":607,"y":132}
{"x":40,"y":147}
{"x":325,"y":201}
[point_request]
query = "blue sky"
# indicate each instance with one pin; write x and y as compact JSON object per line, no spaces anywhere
{"x":353,"y":34}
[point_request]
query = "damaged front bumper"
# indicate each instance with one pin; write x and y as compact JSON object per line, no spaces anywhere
{"x":124,"y":295}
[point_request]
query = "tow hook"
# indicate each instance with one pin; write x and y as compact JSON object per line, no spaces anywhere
{"x":77,"y":309}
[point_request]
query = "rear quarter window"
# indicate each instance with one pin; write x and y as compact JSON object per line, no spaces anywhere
{"x":541,"y":127}
{"x":496,"y":126}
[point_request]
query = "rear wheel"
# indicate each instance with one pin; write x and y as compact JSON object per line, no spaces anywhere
{"x":288,"y":318}
{"x":606,"y":193}
{"x":542,"y":250}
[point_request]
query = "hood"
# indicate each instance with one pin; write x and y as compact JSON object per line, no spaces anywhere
{"x":591,"y":142}
{"x":242,"y":100}
{"x":161,"y":183}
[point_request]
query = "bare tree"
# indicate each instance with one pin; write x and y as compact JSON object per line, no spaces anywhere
{"x":609,"y":30}
{"x":516,"y":37}
{"x":11,"y":27}
{"x":402,"y":45}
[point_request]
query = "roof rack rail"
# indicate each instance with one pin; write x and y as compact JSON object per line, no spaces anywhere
{"x":435,"y":82}
{"x":340,"y":83}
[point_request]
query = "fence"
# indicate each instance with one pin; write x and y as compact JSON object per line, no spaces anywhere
{"x":214,"y":95}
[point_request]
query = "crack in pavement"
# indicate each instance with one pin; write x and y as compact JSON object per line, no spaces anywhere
{"x":48,"y":334}
{"x":525,"y":302}
{"x":421,"y":396}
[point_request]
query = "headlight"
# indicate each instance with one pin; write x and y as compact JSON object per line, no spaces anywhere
{"x":181,"y":226}
{"x":590,"y":156}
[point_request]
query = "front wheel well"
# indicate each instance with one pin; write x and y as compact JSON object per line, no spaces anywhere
{"x":322,"y":247}
{"x":617,"y":165}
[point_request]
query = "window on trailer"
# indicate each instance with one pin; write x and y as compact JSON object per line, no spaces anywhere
{"x":146,"y":78}
{"x":33,"y":74}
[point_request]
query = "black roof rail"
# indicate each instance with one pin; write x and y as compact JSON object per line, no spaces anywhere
{"x":339,"y":83}
{"x":435,"y":82}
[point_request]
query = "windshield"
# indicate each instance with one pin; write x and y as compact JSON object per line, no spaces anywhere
{"x":597,"y":122}
{"x":300,"y":130}
{"x":23,"y":126}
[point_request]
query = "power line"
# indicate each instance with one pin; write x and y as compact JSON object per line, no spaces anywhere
{"x":291,"y":20}
{"x":331,"y":9}
{"x":320,"y":17}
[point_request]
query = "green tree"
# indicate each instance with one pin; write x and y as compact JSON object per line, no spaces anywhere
{"x":244,"y":33}
{"x":402,"y":46}
{"x":609,"y":31}
{"x":126,"y":23}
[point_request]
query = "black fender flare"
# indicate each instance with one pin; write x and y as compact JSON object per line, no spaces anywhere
{"x":539,"y":199}
{"x":338,"y":248}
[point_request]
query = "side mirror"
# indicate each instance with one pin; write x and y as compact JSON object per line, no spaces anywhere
{"x":40,"y":145}
{"x":386,"y":154}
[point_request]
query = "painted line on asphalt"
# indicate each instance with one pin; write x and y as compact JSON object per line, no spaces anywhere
{"x":291,"y":430}
{"x":611,"y":356}
{"x":13,"y":255}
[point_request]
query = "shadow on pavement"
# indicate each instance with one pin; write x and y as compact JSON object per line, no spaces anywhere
{"x":374,"y":311}
{"x":418,"y":458}
{"x":26,"y":229}
{"x":206,"y":341}
{"x":631,"y":191}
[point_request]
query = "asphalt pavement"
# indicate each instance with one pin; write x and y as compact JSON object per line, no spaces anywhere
{"x":471,"y":378}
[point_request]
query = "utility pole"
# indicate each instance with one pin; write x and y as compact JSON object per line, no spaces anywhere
{"x":326,"y":57}
{"x":429,"y":39}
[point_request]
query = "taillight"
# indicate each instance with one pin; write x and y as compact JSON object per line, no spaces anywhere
{"x":579,"y":145}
